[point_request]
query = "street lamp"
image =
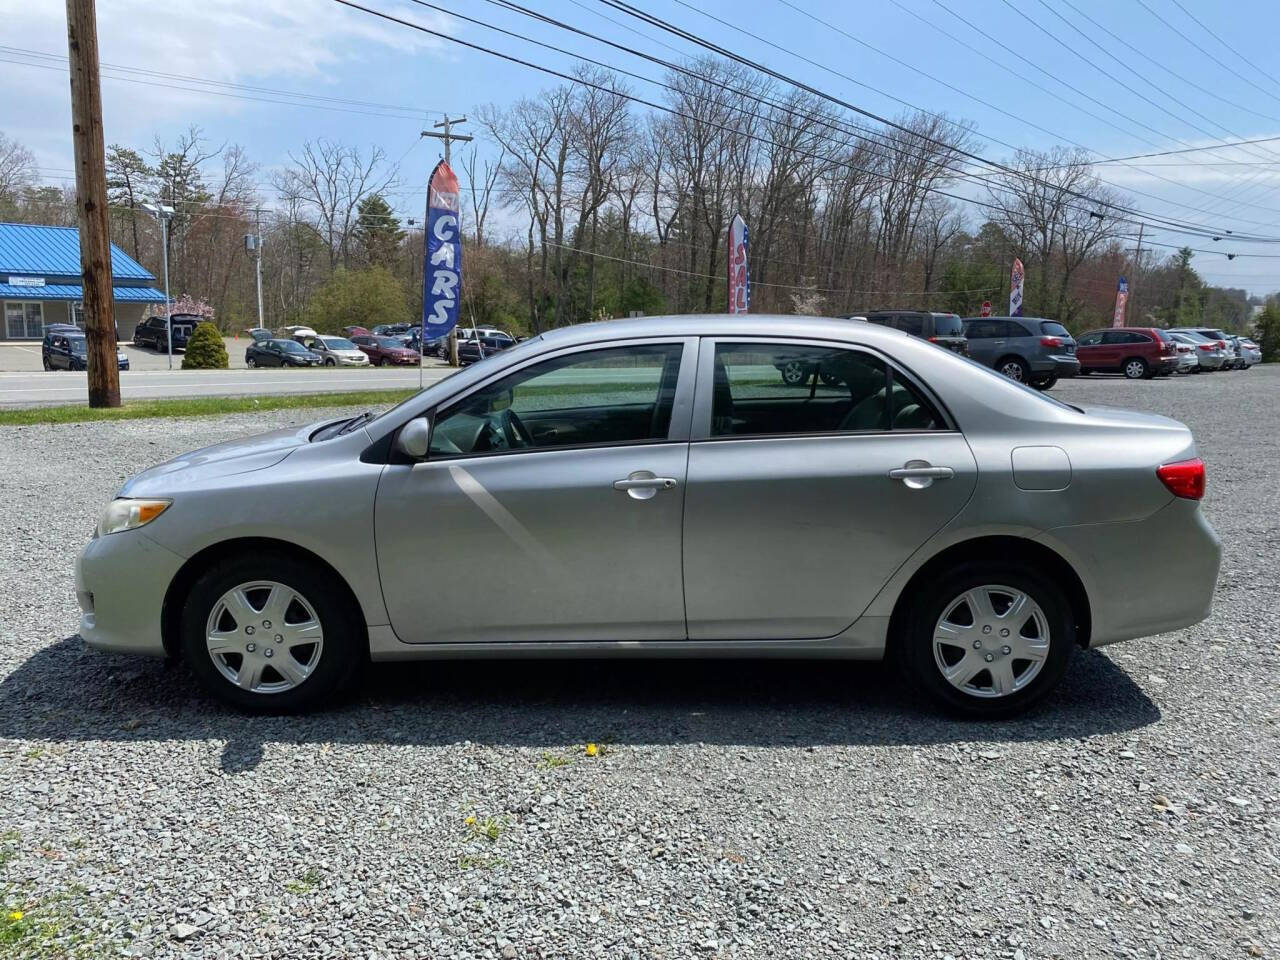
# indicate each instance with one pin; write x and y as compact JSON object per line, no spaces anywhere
{"x":164,"y":214}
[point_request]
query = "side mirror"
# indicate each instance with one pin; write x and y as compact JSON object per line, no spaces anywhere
{"x":414,"y":438}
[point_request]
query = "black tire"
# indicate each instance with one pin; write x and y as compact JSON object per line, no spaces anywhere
{"x":330,"y":362}
{"x":251,"y":363}
{"x":794,"y":373}
{"x":914,"y":648}
{"x":341,"y":655}
{"x":1085,"y":371}
{"x":45,"y":362}
{"x":1015,"y":368}
{"x":830,"y":379}
{"x":1044,"y":383}
{"x":1135,"y":368}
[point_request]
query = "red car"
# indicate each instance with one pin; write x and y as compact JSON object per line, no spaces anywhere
{"x":385,"y":350}
{"x":1140,"y":353}
{"x":350,"y":332}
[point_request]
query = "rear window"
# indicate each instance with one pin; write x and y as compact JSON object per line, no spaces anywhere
{"x":1051,"y":328}
{"x":1162,"y":335}
{"x":947,"y":325}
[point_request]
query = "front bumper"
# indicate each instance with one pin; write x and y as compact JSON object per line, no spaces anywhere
{"x":121,"y":580}
{"x":363,"y":361}
{"x":1144,"y":577}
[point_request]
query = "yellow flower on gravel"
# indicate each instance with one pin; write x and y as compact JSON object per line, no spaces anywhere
{"x":592,"y":750}
{"x":15,"y":916}
{"x":470,"y":821}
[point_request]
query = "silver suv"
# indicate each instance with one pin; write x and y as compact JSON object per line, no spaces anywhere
{"x":1030,"y":350}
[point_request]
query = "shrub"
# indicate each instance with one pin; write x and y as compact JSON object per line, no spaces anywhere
{"x":1269,"y":334}
{"x":205,"y":349}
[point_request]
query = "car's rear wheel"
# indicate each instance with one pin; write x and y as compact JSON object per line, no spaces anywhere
{"x":1015,"y":368}
{"x":272,"y":633}
{"x":1135,"y":368}
{"x":987,"y":639}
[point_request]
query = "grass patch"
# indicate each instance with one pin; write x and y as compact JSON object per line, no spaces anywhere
{"x":199,"y":407}
{"x":305,"y":883}
{"x":550,"y":761}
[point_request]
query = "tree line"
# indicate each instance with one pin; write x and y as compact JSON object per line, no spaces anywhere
{"x":588,"y":207}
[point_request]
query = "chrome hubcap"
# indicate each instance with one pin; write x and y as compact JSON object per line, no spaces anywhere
{"x":1013,"y":371}
{"x":991,"y":641}
{"x":283,"y":656}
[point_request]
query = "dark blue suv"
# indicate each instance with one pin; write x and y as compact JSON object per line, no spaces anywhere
{"x":67,"y":350}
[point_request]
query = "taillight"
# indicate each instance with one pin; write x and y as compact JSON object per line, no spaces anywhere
{"x":1183,"y":479}
{"x":1222,"y":344}
{"x":1206,"y":347}
{"x":933,"y":339}
{"x":1050,"y":341}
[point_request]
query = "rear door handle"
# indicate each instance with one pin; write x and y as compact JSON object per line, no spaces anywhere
{"x":918,"y":474}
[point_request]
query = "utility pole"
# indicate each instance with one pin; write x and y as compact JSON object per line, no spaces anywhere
{"x":164,"y":214}
{"x":257,"y":256}
{"x":91,"y":204}
{"x":1133,"y":282}
{"x":448,"y":137}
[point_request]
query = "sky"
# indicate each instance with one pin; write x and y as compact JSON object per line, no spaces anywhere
{"x":1114,"y":77}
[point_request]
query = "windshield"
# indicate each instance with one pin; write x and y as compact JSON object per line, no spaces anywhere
{"x":337,"y":343}
{"x":389,"y":343}
{"x":77,"y":346}
{"x":1051,"y":328}
{"x":947,"y":325}
{"x":291,"y":346}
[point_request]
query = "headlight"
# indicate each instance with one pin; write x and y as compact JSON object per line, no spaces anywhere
{"x":127,"y":514}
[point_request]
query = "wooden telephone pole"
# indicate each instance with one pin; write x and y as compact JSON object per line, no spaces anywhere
{"x":448,"y":137}
{"x":91,"y":204}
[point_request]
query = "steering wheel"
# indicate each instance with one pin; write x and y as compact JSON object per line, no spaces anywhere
{"x":513,"y":427}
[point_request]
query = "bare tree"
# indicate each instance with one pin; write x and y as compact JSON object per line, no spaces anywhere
{"x":17,"y":170}
{"x":480,"y":186}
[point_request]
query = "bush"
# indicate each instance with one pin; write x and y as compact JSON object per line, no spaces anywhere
{"x":205,"y":349}
{"x":1269,"y":334}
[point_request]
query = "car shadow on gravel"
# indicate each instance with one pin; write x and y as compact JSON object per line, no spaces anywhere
{"x":68,"y":692}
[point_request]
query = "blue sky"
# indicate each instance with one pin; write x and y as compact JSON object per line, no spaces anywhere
{"x":1179,"y":97}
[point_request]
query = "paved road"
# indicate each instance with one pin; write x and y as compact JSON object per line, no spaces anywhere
{"x":22,"y":389}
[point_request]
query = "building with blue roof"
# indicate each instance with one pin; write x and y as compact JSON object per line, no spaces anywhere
{"x":40,"y":282}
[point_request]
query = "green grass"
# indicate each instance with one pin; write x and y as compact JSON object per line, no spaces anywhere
{"x":198,"y":407}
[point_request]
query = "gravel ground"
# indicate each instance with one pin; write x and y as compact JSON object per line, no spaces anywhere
{"x":738,"y":810}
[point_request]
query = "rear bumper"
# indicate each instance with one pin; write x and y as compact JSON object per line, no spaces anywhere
{"x":1061,"y":366}
{"x":1165,"y":365}
{"x":1144,"y":577}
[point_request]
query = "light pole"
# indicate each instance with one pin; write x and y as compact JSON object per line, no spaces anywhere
{"x":164,"y":214}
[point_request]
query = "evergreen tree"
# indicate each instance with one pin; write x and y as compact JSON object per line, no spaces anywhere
{"x":377,"y":234}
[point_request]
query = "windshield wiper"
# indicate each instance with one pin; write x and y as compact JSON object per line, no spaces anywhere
{"x":354,"y":422}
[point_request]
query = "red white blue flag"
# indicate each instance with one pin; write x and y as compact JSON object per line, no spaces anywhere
{"x":1015,"y":288}
{"x":739,"y":277}
{"x":442,"y":264}
{"x":1122,"y":297}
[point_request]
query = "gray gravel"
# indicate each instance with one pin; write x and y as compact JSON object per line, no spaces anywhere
{"x":738,"y":810}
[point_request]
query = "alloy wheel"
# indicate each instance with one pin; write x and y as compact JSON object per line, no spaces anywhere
{"x":793,"y":372}
{"x":264,"y":637}
{"x":1135,"y":369}
{"x":1013,"y":370}
{"x":991,"y":641}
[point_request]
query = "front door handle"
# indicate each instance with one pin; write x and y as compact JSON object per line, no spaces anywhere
{"x":641,"y":485}
{"x":918,"y":474}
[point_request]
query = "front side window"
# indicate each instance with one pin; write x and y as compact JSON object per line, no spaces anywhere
{"x":772,"y":389}
{"x":596,"y":397}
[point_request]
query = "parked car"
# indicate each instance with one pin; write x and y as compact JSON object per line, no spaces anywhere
{"x":1140,"y":353}
{"x":1188,"y":362}
{"x":279,"y":353}
{"x":1250,"y":351}
{"x":337,"y":351}
{"x":1232,"y":360}
{"x":1209,"y":353}
{"x":350,"y":332}
{"x":383,"y":350}
{"x":151,"y":332}
{"x":64,"y":349}
{"x":944,"y":329}
{"x":1029,"y":350}
{"x":628,"y":474}
{"x":260,"y":333}
{"x":297,"y":332}
{"x":392,"y":329}
{"x":473,"y":349}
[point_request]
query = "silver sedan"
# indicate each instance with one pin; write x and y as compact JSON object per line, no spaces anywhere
{"x":653,"y":488}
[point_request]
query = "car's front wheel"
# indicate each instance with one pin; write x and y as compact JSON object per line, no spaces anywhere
{"x":987,"y":639}
{"x":272,"y":633}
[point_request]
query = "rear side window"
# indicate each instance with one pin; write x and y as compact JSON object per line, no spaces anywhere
{"x":1051,"y":328}
{"x":947,"y":325}
{"x":790,"y":389}
{"x":911,"y":323}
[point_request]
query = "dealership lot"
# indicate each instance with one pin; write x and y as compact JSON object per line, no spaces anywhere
{"x":753,"y":809}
